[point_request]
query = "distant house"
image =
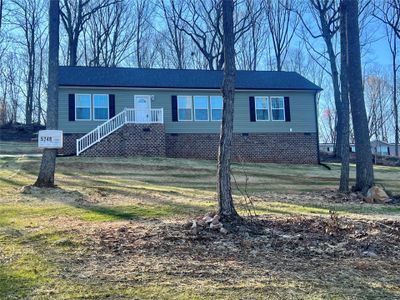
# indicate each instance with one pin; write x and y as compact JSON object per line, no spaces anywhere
{"x":377,"y":147}
{"x":177,"y":113}
{"x":383,"y":148}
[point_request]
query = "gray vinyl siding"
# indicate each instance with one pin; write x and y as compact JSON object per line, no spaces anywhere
{"x":301,"y":107}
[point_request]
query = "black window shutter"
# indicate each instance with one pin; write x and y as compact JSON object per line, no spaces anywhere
{"x":174,"y":103}
{"x":287,"y":109}
{"x":71,"y":107}
{"x":111,"y":105}
{"x":252,"y":106}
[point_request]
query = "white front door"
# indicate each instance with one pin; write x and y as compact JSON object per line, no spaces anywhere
{"x":142,"y":109}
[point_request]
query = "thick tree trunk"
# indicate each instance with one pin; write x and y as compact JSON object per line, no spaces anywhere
{"x":364,"y":168}
{"x":225,"y":201}
{"x":48,"y":165}
{"x":344,"y":106}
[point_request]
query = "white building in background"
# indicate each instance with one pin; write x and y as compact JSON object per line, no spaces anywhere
{"x":377,"y":147}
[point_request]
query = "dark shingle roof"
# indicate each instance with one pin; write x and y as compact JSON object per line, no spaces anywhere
{"x":173,"y":78}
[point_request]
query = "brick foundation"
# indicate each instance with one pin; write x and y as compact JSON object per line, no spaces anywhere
{"x":252,"y":147}
{"x":151,"y":140}
{"x":130,"y":140}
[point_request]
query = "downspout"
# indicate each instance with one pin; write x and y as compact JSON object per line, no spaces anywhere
{"x":316,"y":124}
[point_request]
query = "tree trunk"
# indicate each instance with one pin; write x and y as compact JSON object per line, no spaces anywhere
{"x":395,"y":106}
{"x":344,"y":106}
{"x":48,"y":165}
{"x":225,"y":201}
{"x":73,"y":50}
{"x":364,"y":168}
{"x":336,"y":93}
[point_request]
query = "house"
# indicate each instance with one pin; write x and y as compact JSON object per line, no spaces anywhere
{"x":377,"y":147}
{"x":383,"y":148}
{"x":330,"y":147}
{"x":177,"y":113}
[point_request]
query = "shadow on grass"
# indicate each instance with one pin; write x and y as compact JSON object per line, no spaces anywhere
{"x":14,"y":285}
{"x":151,"y":207}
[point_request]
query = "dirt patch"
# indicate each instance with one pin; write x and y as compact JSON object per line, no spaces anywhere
{"x":275,"y":256}
{"x":299,"y":236}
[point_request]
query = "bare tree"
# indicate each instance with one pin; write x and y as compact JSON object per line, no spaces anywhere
{"x":143,"y":10}
{"x":27,"y":16}
{"x":345,"y":105}
{"x":202,"y":24}
{"x":227,"y":210}
{"x":389,"y":13}
{"x":109,"y":35}
{"x":377,"y":92}
{"x":364,"y":168}
{"x":325,"y":15}
{"x":48,"y":165}
{"x":74,"y":15}
{"x":173,"y":12}
{"x":251,"y":47}
{"x":282,"y":23}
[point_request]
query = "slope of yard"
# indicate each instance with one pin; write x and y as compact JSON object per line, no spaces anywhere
{"x":116,"y":228}
{"x":10,"y":147}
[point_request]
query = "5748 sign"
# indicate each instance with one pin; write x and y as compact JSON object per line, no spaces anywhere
{"x":50,"y":139}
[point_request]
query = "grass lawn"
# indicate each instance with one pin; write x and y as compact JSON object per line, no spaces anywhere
{"x":114,"y":229}
{"x":19,"y":148}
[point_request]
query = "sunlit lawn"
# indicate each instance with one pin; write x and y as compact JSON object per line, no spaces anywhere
{"x":37,"y":230}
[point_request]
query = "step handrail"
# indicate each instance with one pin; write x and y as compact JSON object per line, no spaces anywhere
{"x":124,"y":117}
{"x":100,"y":132}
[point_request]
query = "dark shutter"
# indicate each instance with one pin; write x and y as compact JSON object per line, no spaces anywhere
{"x":71,"y":107}
{"x":252,"y":107}
{"x":111,"y":105}
{"x":388,"y":150}
{"x":287,"y":109}
{"x":174,"y":103}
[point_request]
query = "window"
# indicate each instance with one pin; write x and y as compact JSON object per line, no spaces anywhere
{"x":185,"y":108}
{"x":262,"y":108}
{"x":278,"y":109}
{"x":216,"y":108}
{"x":83,"y":107}
{"x":100,"y":107}
{"x":201,"y":108}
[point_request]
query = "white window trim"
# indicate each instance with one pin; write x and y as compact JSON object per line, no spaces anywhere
{"x":268,"y":108}
{"x":191,"y":108}
{"x":208,"y":108}
{"x":90,"y":107}
{"x":108,"y":107}
{"x":211,"y":108}
{"x":284,"y":109}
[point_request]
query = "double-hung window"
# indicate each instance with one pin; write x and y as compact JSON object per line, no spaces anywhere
{"x":100,"y":107}
{"x":216,"y":108}
{"x":83,"y":107}
{"x":278,"y":108}
{"x":262,"y":108}
{"x":201,"y":108}
{"x":185,"y":108}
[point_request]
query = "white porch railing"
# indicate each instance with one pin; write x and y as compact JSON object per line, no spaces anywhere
{"x":124,"y":117}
